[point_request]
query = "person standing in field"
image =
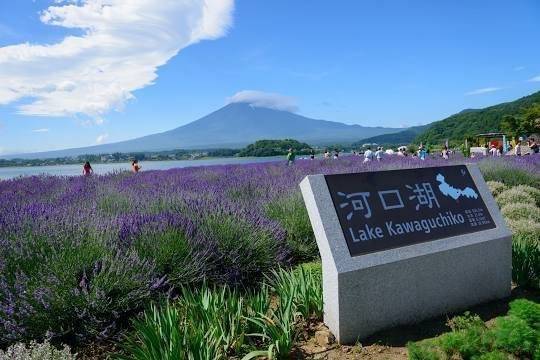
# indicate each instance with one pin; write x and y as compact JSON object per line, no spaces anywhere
{"x":291,"y":156}
{"x":312,"y":154}
{"x":379,"y":153}
{"x":534,"y":147}
{"x":368,"y":155}
{"x":518,"y":147}
{"x":422,"y":152}
{"x":326,"y":154}
{"x":445,"y":153}
{"x":135,"y":167}
{"x":87,"y":169}
{"x":336,"y":154}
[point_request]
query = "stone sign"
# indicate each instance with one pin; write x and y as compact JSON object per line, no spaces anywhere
{"x":400,"y":246}
{"x":389,"y":209}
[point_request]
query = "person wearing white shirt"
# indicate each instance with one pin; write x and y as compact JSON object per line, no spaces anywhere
{"x":379,"y":153}
{"x":368,"y":155}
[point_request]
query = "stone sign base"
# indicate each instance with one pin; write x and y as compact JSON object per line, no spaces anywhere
{"x":368,"y":293}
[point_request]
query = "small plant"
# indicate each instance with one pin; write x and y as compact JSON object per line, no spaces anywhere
{"x":526,"y":310}
{"x":303,"y":285}
{"x":493,"y":355}
{"x":422,"y":351}
{"x":157,"y":336}
{"x":277,"y":328}
{"x":525,"y":261}
{"x":512,"y":336}
{"x":515,"y":336}
{"x":36,"y":351}
{"x":210,"y":316}
{"x":508,"y":175}
{"x":467,"y":343}
{"x":496,"y":187}
{"x":465,"y":322}
{"x":533,"y":192}
{"x":513,"y":196}
{"x":521,"y":212}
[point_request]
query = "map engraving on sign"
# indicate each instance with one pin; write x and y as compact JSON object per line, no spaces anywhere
{"x":389,"y":209}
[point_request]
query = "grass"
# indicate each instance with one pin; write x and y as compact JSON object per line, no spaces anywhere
{"x":228,"y":321}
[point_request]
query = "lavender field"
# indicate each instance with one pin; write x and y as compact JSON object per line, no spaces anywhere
{"x":79,"y":256}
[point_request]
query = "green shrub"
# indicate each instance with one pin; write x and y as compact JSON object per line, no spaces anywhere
{"x":525,"y":227}
{"x":113,"y":203}
{"x":520,"y":211}
{"x":245,"y":251}
{"x":75,"y":287}
{"x":172,"y":255}
{"x":526,"y":310}
{"x":493,"y":355}
{"x":466,"y":343}
{"x":422,"y":351}
{"x":496,"y":187}
{"x":525,"y":252}
{"x":513,"y":196}
{"x":291,"y":213}
{"x":525,"y":261}
{"x":36,"y":351}
{"x":533,"y":192}
{"x":515,"y":336}
{"x":508,"y":175}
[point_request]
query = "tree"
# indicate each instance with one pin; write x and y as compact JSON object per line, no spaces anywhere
{"x":525,"y":123}
{"x":531,"y":119}
{"x":510,"y":125}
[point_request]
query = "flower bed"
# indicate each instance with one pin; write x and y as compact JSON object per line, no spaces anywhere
{"x":81,"y":256}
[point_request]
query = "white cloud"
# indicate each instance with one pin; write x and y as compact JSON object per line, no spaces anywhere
{"x":535,"y":79}
{"x":266,"y":100}
{"x":122,"y":45}
{"x":483,"y":91}
{"x":42,"y":130}
{"x":101,"y":138}
{"x":519,"y":68}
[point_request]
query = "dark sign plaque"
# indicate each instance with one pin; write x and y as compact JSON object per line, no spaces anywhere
{"x":389,"y":209}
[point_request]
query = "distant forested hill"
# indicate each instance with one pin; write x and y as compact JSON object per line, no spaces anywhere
{"x":403,"y":137}
{"x":473,"y":121}
{"x":274,"y":148}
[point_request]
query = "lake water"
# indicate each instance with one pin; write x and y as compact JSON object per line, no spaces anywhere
{"x":76,"y":169}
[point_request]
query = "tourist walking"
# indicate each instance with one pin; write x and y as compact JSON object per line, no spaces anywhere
{"x":379,"y":153}
{"x":135,"y":167}
{"x":445,"y":153}
{"x":422,"y":153}
{"x":312,"y":154}
{"x":336,"y":154}
{"x":534,"y":147}
{"x":87,"y":169}
{"x":368,"y":155}
{"x":494,"y":151}
{"x":326,"y":154}
{"x":518,"y":147}
{"x":291,"y":156}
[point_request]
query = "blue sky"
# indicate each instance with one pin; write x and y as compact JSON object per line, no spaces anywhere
{"x":391,"y":63}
